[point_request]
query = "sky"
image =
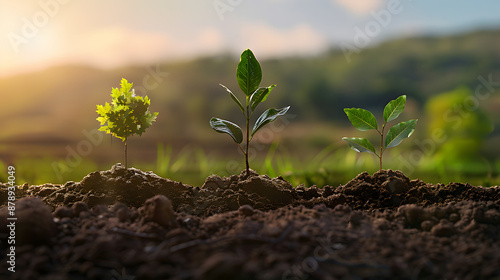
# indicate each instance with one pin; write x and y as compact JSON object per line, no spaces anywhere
{"x":38,"y":34}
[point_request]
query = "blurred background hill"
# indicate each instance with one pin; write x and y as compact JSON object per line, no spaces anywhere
{"x":47,"y":112}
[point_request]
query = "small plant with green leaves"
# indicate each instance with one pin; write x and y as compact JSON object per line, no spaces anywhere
{"x":364,"y":120}
{"x":249,"y":76}
{"x":127,"y":114}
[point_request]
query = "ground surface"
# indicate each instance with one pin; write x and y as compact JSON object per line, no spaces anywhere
{"x":131,"y":225}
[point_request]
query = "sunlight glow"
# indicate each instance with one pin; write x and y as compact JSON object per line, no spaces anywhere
{"x":359,"y":7}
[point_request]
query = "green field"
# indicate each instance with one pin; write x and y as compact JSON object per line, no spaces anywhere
{"x":332,"y":166}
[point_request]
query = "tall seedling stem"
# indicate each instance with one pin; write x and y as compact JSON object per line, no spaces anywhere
{"x":125,"y":152}
{"x":249,"y":76}
{"x":248,"y":140}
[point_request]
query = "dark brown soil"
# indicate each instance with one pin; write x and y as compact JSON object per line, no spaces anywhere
{"x":131,"y":225}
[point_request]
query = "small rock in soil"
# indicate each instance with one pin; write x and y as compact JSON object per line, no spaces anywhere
{"x":246,"y":210}
{"x":158,"y":209}
{"x":443,"y":229}
{"x":79,"y":207}
{"x":63,"y":212}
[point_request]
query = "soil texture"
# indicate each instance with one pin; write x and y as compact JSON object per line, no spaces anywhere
{"x":126,"y":224}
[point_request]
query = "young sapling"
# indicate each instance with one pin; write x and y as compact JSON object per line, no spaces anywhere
{"x":127,"y":114}
{"x":364,"y":120}
{"x":249,"y":76}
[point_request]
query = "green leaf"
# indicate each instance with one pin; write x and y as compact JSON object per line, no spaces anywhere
{"x":360,"y":144}
{"x":126,"y":86}
{"x":361,"y":119}
{"x":223,"y":126}
{"x":260,"y":95}
{"x":248,"y":73}
{"x":267,"y":117}
{"x":235,"y":99}
{"x":399,"y":132}
{"x":394,"y":108}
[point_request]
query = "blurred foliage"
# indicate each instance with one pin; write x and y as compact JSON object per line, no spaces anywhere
{"x":36,"y":171}
{"x":463,"y":125}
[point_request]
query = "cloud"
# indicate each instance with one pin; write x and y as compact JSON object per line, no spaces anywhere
{"x":270,"y":41}
{"x":359,"y":7}
{"x":208,"y":41}
{"x":112,"y":45}
{"x":116,"y":46}
{"x":108,"y":47}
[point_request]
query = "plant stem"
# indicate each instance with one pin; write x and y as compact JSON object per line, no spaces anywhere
{"x":381,"y":148}
{"x":248,"y":139}
{"x":381,"y":145}
{"x":125,"y":153}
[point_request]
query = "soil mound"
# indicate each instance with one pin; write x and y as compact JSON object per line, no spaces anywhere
{"x":133,"y":187}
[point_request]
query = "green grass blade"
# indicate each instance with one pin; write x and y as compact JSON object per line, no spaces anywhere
{"x":268,"y":161}
{"x":181,"y":161}
{"x":163,"y":157}
{"x":318,"y":160}
{"x":203,"y":161}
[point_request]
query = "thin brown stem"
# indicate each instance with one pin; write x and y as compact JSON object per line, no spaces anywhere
{"x":241,"y":148}
{"x":381,"y":145}
{"x":248,"y":140}
{"x":125,"y":153}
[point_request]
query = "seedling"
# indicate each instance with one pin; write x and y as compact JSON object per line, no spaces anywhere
{"x":249,"y":76}
{"x":364,"y":120}
{"x":127,"y":114}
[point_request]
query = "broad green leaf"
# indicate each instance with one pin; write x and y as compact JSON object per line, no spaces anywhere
{"x":394,"y":108}
{"x":268,"y":116}
{"x":248,"y":73}
{"x":360,"y":144}
{"x":235,"y":99}
{"x":361,"y":119}
{"x":260,"y":95}
{"x":223,"y":126}
{"x":399,"y":132}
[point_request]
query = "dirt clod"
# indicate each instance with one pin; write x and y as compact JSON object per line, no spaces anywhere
{"x":158,"y":209}
{"x":246,"y":210}
{"x":33,"y":222}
